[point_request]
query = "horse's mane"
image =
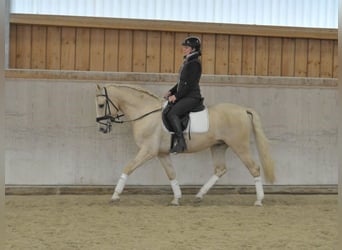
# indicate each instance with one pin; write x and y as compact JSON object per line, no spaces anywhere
{"x":137,"y":88}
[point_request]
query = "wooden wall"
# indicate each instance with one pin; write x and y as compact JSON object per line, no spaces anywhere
{"x":123,"y":45}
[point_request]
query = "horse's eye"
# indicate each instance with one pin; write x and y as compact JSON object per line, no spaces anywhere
{"x":101,"y":106}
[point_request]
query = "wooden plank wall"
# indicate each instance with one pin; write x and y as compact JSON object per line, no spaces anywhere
{"x":143,"y":49}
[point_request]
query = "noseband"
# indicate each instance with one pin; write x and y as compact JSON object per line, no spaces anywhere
{"x":108,"y":117}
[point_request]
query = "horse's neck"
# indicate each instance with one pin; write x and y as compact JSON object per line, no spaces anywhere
{"x":135,"y":103}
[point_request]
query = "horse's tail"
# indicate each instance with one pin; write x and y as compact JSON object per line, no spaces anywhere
{"x":262,"y":146}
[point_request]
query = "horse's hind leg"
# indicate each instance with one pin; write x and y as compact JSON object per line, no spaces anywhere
{"x":254,"y":169}
{"x":171,"y":174}
{"x":218,"y":156}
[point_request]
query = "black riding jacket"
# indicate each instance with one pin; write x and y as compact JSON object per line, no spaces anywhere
{"x":189,"y":77}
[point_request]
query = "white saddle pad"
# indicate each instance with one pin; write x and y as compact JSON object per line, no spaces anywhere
{"x":198,"y":122}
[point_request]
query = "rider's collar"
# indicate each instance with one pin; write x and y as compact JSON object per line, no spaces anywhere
{"x":191,"y":56}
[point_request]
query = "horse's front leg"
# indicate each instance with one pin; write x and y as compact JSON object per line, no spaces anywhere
{"x":171,"y":174}
{"x":143,"y":155}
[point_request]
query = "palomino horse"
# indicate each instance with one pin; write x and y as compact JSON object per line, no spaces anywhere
{"x":229,"y":126}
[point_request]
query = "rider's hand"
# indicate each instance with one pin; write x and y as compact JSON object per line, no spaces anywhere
{"x":167,"y":94}
{"x":172,"y":98}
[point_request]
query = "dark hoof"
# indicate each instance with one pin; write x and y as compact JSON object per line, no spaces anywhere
{"x":198,"y":200}
{"x":114,"y":202}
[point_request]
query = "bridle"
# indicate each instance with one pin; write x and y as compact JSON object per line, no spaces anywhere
{"x":108,"y":114}
{"x":109,"y":118}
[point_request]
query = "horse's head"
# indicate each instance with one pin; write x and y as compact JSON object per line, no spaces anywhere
{"x":106,"y":110}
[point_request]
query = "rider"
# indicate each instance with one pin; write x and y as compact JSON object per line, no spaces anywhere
{"x":186,"y":94}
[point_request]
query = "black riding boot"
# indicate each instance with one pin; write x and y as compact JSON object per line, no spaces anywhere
{"x":180,"y":141}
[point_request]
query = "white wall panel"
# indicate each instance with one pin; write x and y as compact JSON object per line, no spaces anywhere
{"x":66,"y":148}
{"x":305,"y":13}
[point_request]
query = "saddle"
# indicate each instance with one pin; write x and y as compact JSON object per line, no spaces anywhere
{"x":196,"y":121}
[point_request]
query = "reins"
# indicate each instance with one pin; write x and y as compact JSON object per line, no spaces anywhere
{"x":140,"y":117}
{"x":116,"y":119}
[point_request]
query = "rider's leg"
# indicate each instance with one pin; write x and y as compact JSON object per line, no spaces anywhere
{"x":178,"y":109}
{"x":180,"y":144}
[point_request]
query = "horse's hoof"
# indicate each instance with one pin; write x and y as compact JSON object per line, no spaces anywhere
{"x":258,"y":203}
{"x":198,"y":199}
{"x":115,"y":197}
{"x":174,"y":202}
{"x":114,"y":201}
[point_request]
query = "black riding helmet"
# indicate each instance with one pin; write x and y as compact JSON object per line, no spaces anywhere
{"x":193,"y":42}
